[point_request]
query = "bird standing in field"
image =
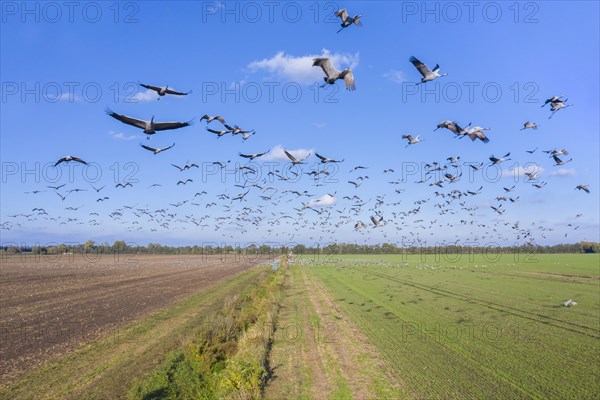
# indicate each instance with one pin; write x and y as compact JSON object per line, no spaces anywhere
{"x":161,"y":91}
{"x":346,"y":19}
{"x":332,"y":74}
{"x":428,"y":75}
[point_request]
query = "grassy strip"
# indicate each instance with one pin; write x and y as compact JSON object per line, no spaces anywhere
{"x":227,"y":356}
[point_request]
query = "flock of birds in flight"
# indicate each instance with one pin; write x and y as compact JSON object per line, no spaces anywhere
{"x":437,"y":175}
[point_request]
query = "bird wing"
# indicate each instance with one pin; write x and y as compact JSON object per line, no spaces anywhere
{"x":423,"y":69}
{"x":167,"y":148}
{"x":246,"y":155}
{"x":155,"y":88}
{"x":149,"y":148}
{"x":127,"y":120}
{"x":60,"y":160}
{"x":217,"y":132}
{"x":163,"y":126}
{"x":78,"y":160}
{"x":409,"y":137}
{"x":320,"y":157}
{"x":291,"y":157}
{"x":481,"y":136}
{"x":262,"y":154}
{"x":175,"y":92}
{"x":326,"y":66}
{"x":342,"y":13}
{"x":349,"y":80}
{"x":557,"y":160}
{"x":375,"y":222}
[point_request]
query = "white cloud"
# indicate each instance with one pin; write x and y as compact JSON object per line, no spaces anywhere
{"x":520,"y":171}
{"x":70,"y":97}
{"x":148,"y":95}
{"x":299,"y":69}
{"x":395,"y":76}
{"x":277,"y":154}
{"x":121,"y":136}
{"x":213,"y":7}
{"x":323,"y":201}
{"x":237,"y":84}
{"x":563,"y":172}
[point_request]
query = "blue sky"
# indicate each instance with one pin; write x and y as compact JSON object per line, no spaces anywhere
{"x":501,"y":67}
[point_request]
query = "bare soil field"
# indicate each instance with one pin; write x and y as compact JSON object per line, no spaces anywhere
{"x":52,"y":305}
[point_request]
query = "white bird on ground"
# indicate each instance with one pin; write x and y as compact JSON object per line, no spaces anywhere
{"x":569,"y":303}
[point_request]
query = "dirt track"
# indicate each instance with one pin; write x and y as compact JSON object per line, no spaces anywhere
{"x":51,"y":306}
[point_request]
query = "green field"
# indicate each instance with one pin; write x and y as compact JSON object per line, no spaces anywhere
{"x":464,"y":326}
{"x":355,"y":327}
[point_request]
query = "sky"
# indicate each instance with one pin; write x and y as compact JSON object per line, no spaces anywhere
{"x":61,"y":66}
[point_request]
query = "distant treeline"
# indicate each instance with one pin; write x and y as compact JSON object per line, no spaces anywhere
{"x":120,"y":246}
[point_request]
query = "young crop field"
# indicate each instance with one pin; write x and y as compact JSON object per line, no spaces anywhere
{"x":445,"y":327}
{"x":319,"y":327}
